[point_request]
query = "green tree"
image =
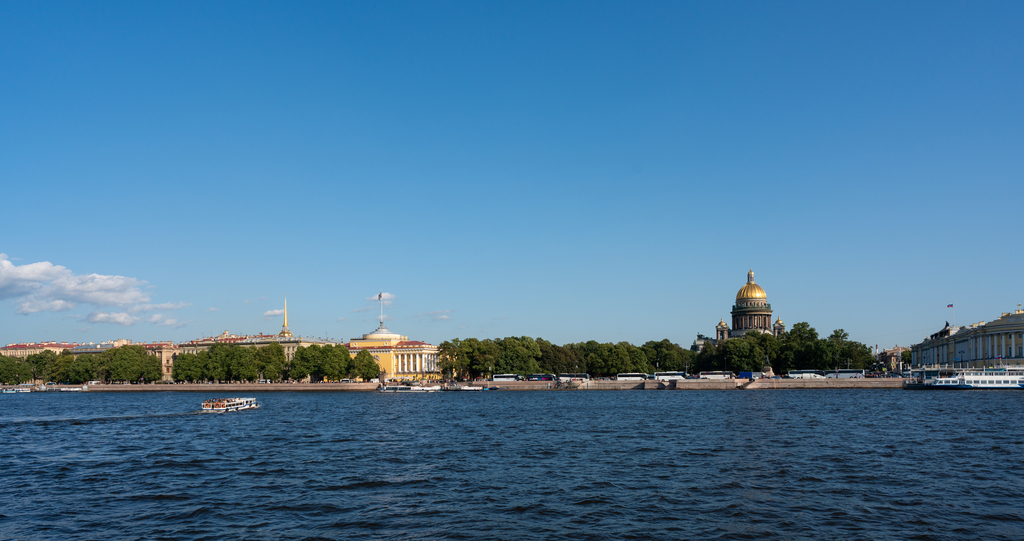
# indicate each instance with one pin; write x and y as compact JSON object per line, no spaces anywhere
{"x":667,"y":356}
{"x":481,"y":357}
{"x":271,"y":361}
{"x":42,"y":364}
{"x":451,"y":360}
{"x":516,"y":355}
{"x":336,"y":362}
{"x":14,"y":371}
{"x":81,"y":369}
{"x":242,"y":364}
{"x":555,"y":359}
{"x":187,"y":367}
{"x":366,"y":366}
{"x":62,"y":366}
{"x":134,"y":364}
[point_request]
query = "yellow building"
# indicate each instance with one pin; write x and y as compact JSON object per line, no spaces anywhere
{"x":398,"y":357}
{"x":980,"y":345}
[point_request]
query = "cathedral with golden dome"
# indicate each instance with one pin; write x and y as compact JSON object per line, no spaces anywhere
{"x":751,"y":313}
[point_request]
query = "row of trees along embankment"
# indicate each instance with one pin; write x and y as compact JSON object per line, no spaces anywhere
{"x":122,"y":365}
{"x":801,"y":348}
{"x":221,"y":363}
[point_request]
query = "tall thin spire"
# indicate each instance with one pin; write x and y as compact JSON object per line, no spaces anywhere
{"x":284,"y":328}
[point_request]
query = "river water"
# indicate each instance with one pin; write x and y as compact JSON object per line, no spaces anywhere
{"x":787,"y":464}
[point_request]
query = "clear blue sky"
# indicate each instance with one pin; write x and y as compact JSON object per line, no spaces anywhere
{"x":572,"y":171}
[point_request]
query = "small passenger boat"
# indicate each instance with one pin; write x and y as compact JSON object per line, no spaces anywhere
{"x":70,"y":389}
{"x":221,"y":405}
{"x":409,"y":389}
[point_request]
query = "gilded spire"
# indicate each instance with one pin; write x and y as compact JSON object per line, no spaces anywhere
{"x":284,"y":328}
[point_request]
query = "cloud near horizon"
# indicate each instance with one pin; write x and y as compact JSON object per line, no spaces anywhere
{"x":45,"y":287}
{"x":272,"y":313}
{"x":436,"y":315}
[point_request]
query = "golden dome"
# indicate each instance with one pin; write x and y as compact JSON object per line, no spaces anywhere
{"x":751,"y":290}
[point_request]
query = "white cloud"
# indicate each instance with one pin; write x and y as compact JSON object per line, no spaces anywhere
{"x":45,"y":287}
{"x":437,"y":315}
{"x":155,"y":318}
{"x":119,"y":318}
{"x":163,"y":306}
{"x":462,"y":326}
{"x":364,"y":309}
{"x":342,"y":319}
{"x":211,"y":309}
{"x":272,"y":313}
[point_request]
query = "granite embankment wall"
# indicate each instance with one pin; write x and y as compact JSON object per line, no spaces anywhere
{"x":594,"y":385}
{"x":234,"y":388}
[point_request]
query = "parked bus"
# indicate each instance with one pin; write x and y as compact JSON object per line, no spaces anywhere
{"x":805,"y":374}
{"x":573,"y":377}
{"x":506,"y":377}
{"x":669,"y":376}
{"x":540,"y":377}
{"x":844,"y":374}
{"x":631,"y":376}
{"x":717,"y":375}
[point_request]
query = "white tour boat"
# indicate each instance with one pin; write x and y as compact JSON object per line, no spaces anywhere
{"x":409,"y":389}
{"x":462,"y":388}
{"x":1010,"y":377}
{"x":222,"y":405}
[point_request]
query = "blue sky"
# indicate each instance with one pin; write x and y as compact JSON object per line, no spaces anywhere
{"x":572,"y":171}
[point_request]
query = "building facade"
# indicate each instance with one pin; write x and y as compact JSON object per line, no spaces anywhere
{"x":979,"y":345}
{"x":21,"y":351}
{"x":892,"y":359}
{"x":398,"y":357}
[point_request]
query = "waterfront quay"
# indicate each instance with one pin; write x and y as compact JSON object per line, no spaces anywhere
{"x":593,"y":385}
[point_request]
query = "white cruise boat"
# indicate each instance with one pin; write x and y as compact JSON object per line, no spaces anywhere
{"x":409,"y":389}
{"x":1010,"y":377}
{"x":221,"y":405}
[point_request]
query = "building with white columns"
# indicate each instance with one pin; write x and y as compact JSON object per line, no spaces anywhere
{"x":398,"y":357}
{"x":980,"y":345}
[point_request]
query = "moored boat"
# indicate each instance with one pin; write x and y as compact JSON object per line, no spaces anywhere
{"x":462,"y":388}
{"x":1010,"y":377}
{"x":409,"y":389}
{"x":221,"y":405}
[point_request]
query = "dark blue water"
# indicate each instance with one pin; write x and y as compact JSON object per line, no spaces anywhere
{"x":870,"y":464}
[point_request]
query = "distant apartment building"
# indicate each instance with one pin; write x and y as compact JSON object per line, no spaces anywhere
{"x":21,"y":351}
{"x":892,"y":359}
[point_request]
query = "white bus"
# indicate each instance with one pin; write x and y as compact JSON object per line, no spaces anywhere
{"x":669,"y":376}
{"x":805,"y":374}
{"x":506,"y":377}
{"x":844,"y":374}
{"x":631,"y":376}
{"x":573,"y":377}
{"x":717,"y":375}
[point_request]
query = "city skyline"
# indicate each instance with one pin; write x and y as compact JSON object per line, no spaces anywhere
{"x":573,"y":172}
